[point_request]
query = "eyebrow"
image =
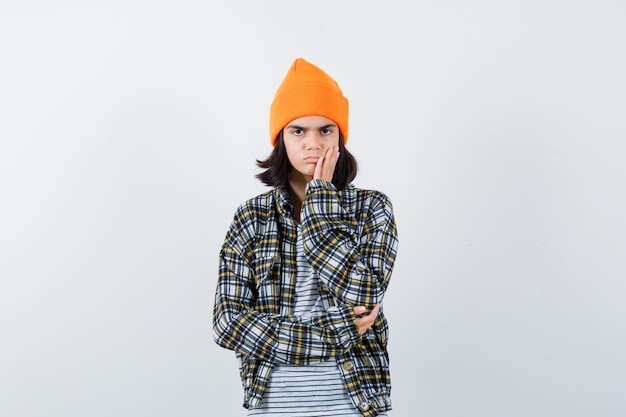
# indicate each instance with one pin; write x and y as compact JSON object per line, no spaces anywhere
{"x":305,"y":128}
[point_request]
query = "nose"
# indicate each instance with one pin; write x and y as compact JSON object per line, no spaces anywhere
{"x":313,"y":140}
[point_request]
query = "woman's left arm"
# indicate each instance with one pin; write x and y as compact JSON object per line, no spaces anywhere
{"x":352,"y":253}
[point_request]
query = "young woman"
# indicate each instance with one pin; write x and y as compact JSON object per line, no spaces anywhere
{"x":304,"y":267}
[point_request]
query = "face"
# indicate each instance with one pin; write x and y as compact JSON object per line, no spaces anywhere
{"x":306,"y":140}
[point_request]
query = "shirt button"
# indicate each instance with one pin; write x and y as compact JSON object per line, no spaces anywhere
{"x":348,"y":366}
{"x":364,"y":406}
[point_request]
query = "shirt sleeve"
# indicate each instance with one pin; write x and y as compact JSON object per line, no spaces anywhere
{"x":242,"y":324}
{"x":353,"y":257}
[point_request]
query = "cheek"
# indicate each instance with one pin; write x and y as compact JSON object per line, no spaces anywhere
{"x":331,"y":143}
{"x":291,"y":154}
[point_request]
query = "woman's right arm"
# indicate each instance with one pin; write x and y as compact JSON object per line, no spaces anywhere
{"x":238,"y":325}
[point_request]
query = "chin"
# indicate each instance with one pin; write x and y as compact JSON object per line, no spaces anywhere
{"x":308,"y":172}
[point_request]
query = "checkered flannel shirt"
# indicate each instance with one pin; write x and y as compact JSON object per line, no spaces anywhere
{"x":350,"y":240}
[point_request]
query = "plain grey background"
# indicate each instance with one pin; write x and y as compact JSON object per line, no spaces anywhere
{"x":128,"y":135}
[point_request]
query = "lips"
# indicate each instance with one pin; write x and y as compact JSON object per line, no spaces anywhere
{"x":311,"y":159}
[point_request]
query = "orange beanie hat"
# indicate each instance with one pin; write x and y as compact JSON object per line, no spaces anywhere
{"x":307,"y":91}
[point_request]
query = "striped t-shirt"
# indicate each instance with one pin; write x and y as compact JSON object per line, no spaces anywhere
{"x":314,"y":390}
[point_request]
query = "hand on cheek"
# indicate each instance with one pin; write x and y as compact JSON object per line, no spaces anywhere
{"x":325,"y":167}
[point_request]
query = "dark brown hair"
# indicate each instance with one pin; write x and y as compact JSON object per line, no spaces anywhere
{"x":277,"y":167}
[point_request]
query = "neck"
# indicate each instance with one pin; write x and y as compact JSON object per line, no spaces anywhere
{"x":297,"y":192}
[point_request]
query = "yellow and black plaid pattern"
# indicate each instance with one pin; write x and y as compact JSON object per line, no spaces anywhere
{"x":350,"y":240}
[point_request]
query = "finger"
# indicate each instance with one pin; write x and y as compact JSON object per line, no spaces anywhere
{"x":330,"y":162}
{"x":333,"y":154}
{"x":318,"y":168}
{"x":370,"y":319}
{"x":364,"y":323}
{"x":326,"y":161}
{"x":359,"y":310}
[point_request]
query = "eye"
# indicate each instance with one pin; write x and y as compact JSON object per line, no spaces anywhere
{"x":327,"y":131}
{"x":297,"y":132}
